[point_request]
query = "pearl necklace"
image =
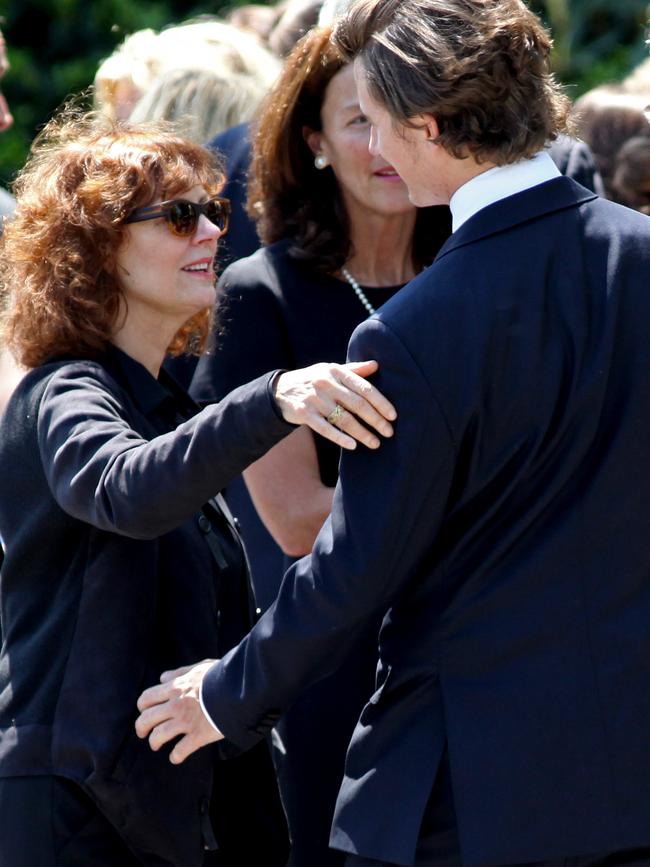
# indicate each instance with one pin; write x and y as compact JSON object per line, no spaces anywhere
{"x":358,"y":291}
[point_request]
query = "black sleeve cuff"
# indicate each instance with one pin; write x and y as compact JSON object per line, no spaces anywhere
{"x":270,"y":387}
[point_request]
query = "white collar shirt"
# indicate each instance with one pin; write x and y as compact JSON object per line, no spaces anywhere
{"x":499,"y":183}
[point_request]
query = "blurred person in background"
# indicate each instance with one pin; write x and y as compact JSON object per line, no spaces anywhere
{"x":255,"y":17}
{"x":294,"y":19}
{"x":121,"y":557}
{"x":279,"y":25}
{"x":638,"y":81}
{"x":575,"y":160}
{"x":615,"y":119}
{"x":127,"y":75}
{"x":607,"y":117}
{"x":341,"y":239}
{"x":631,"y":180}
{"x":200,"y":102}
{"x":124,"y":76}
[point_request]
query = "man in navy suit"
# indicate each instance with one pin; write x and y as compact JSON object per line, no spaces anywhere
{"x":505,"y":529}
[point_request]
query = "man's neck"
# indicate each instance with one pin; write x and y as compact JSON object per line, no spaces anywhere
{"x":498,"y":183}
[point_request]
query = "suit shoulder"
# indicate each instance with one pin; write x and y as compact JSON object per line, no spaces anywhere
{"x":431,"y":297}
{"x":618,"y":219}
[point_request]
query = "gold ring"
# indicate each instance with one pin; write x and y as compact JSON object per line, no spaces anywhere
{"x":336,"y":415}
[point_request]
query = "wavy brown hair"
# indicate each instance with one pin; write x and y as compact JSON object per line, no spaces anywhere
{"x":287,"y":196}
{"x":84,"y":175}
{"x":480,"y":67}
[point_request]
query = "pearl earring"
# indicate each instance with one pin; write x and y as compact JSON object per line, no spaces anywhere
{"x":321,"y":161}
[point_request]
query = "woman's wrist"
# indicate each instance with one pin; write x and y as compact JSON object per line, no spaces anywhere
{"x":272,"y":386}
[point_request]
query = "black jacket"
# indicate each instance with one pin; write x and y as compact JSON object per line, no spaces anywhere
{"x":111,"y":576}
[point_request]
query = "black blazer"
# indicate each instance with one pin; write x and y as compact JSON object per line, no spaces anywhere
{"x":110,"y":577}
{"x":505,"y":532}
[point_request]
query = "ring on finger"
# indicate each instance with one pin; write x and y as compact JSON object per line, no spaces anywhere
{"x":336,"y":415}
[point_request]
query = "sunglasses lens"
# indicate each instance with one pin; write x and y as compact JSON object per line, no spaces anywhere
{"x":182,"y":218}
{"x":217,"y":213}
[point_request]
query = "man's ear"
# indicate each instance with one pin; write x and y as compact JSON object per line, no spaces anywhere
{"x":313,"y":139}
{"x":430,"y":126}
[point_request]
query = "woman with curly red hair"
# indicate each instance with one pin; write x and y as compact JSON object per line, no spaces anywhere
{"x":121,"y":559}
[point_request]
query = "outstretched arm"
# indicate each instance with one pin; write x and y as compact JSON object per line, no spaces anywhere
{"x":105,"y":473}
{"x":387,"y":509}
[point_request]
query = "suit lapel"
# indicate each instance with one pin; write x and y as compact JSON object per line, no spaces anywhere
{"x":554,"y":195}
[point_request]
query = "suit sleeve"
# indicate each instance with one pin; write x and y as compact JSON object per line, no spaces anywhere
{"x":103,"y":472}
{"x":387,"y":509}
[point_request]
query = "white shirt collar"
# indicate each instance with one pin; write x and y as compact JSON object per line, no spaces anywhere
{"x":499,"y":183}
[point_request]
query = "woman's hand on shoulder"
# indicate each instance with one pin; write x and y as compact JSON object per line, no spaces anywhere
{"x":336,"y":401}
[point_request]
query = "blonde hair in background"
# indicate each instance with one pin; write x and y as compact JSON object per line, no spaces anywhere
{"x":126,"y":76}
{"x":200,"y":102}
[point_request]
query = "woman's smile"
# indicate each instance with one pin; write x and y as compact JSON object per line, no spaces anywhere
{"x":203,"y":267}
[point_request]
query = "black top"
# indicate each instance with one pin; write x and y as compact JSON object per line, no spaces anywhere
{"x":119,"y":565}
{"x":276,"y":312}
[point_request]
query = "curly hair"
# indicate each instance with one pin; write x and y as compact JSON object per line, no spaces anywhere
{"x":480,"y":67}
{"x":287,"y":196}
{"x":83,"y":177}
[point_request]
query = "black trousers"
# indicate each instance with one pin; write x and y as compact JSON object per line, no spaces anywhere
{"x":50,"y":822}
{"x":438,"y":842}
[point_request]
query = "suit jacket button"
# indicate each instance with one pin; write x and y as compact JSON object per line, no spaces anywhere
{"x":204,"y":524}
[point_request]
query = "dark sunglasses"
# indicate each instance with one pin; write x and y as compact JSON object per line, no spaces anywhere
{"x":182,"y":216}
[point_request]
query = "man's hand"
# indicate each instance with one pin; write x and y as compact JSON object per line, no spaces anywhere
{"x":174,"y":709}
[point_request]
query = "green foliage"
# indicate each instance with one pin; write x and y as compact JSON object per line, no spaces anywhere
{"x":595,"y":40}
{"x":56,"y":45}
